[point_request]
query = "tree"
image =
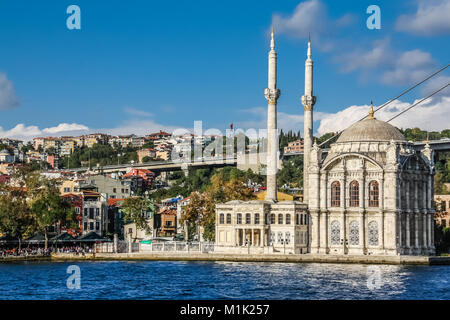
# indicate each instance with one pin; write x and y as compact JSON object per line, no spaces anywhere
{"x":201,"y":207}
{"x":48,"y":208}
{"x":15,"y":215}
{"x":137,"y":209}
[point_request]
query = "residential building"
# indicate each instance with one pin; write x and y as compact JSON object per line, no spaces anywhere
{"x":114,"y":188}
{"x":294,"y":146}
{"x":94,"y":213}
{"x":146,"y":152}
{"x":6,"y":157}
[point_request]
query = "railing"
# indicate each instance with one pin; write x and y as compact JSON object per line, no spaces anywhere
{"x":178,"y":246}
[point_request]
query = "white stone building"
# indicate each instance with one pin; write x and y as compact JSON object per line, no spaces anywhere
{"x":371,"y":195}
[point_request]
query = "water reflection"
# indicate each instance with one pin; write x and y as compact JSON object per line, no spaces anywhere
{"x":224,"y":280}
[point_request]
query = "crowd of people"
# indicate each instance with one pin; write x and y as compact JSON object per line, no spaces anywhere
{"x":38,"y":251}
{"x":24,"y":252}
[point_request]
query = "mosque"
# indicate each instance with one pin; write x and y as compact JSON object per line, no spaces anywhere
{"x":371,"y":195}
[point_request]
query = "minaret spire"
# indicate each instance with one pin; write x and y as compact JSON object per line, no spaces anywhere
{"x":308,"y":101}
{"x":272,"y":94}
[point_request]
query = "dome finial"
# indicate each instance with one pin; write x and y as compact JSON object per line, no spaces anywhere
{"x":371,"y":112}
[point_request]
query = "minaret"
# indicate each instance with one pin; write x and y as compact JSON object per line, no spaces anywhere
{"x":308,"y":101}
{"x":272,"y":94}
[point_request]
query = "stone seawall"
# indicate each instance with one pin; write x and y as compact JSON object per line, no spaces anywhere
{"x":183,"y":256}
{"x":303,"y":258}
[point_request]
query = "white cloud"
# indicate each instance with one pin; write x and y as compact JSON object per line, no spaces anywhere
{"x":8,"y":98}
{"x":379,"y":54}
{"x":410,"y":66}
{"x":427,"y":115}
{"x":308,"y":16}
{"x":431,"y":18}
{"x":26,"y":133}
{"x":136,"y":112}
{"x":65,"y":127}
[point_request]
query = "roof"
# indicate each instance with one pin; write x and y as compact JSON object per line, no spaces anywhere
{"x":371,"y":129}
{"x":115,"y":202}
{"x":280,"y":196}
{"x":63,"y":237}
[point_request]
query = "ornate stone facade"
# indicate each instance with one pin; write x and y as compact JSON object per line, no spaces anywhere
{"x":372,"y":194}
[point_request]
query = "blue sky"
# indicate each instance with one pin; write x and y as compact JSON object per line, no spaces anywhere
{"x":138,"y":66}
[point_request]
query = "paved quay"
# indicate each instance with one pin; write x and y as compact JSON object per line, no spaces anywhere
{"x":303,"y":258}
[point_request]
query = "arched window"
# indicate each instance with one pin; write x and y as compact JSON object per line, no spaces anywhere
{"x":239,"y":218}
{"x":288,"y":219}
{"x":335,"y":234}
{"x":354,"y":194}
{"x":336,"y":194}
{"x":354,"y":233}
{"x":228,"y":218}
{"x":256,"y":218}
{"x":280,"y":218}
{"x":247,"y":218}
{"x":272,"y":218}
{"x":374,"y":194}
{"x":221,"y":219}
{"x":373,"y":233}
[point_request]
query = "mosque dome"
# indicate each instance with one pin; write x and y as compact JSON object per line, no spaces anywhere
{"x":371,"y":129}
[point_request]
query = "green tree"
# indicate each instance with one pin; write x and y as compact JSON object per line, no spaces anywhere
{"x":48,"y":208}
{"x":138,"y":210}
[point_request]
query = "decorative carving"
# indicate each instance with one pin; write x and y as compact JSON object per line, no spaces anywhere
{"x":308,"y":102}
{"x":354,"y":233}
{"x":335,"y":234}
{"x":373,"y":233}
{"x":272,"y":95}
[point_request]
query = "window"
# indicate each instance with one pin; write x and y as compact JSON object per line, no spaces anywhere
{"x":239,"y":218}
{"x":256,"y":218}
{"x":221,"y":218}
{"x":85,"y":226}
{"x":297,"y":219}
{"x":228,"y":218}
{"x":66,"y":189}
{"x":373,"y":233}
{"x":335,"y":234}
{"x":85,"y":212}
{"x":287,"y":237}
{"x":247,"y":218}
{"x":272,"y":238}
{"x":91,"y":226}
{"x":272,"y":218}
{"x":123,"y":190}
{"x":354,"y":233}
{"x":336,"y":194}
{"x":373,"y":194}
{"x":354,"y":194}
{"x":77,"y":210}
{"x":91,"y":213}
{"x":97,"y":212}
{"x":126,"y":190}
{"x":280,"y":218}
{"x":114,"y":190}
{"x":280,"y":237}
{"x":288,"y":219}
{"x":97,"y":226}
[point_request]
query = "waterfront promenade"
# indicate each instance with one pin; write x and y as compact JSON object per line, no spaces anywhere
{"x":300,"y":258}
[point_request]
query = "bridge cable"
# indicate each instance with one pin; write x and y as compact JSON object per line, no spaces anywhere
{"x":393,"y":99}
{"x":418,"y":102}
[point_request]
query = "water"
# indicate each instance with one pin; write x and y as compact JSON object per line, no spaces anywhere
{"x":223,"y":280}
